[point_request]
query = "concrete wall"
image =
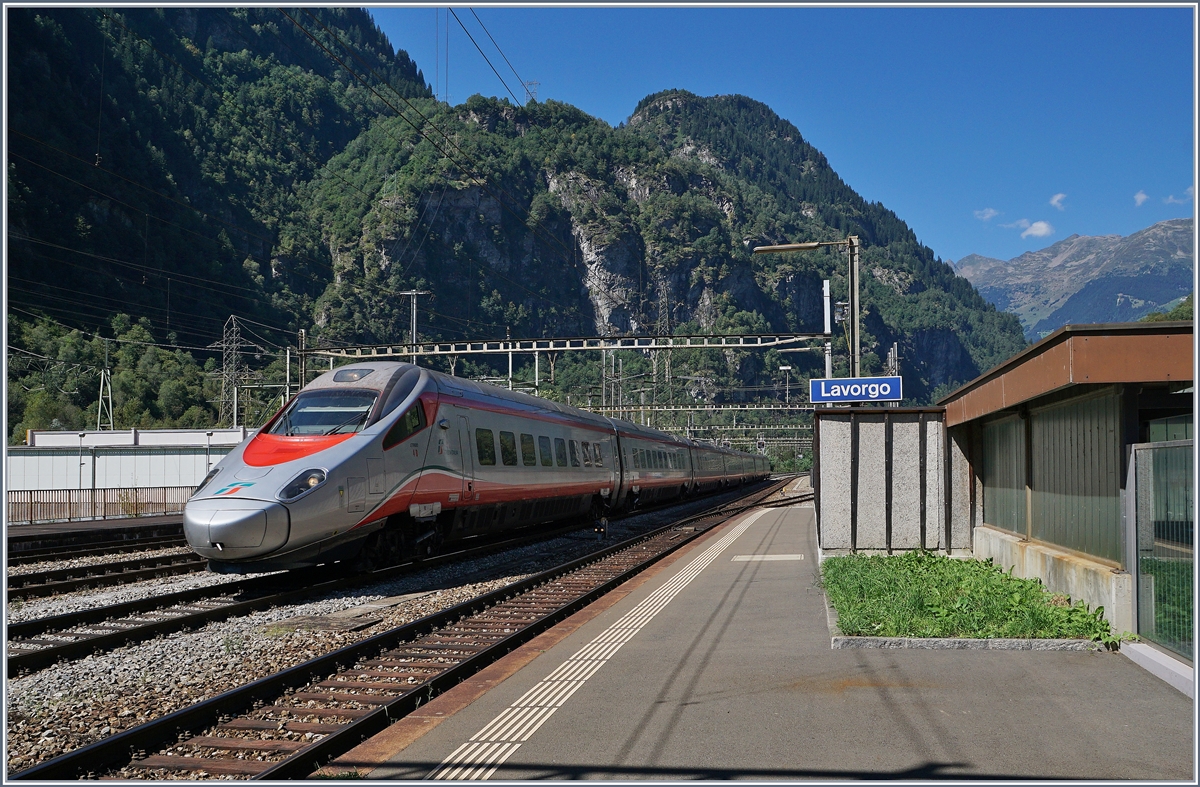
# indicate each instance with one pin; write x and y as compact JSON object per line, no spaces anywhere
{"x":109,"y":467}
{"x":831,"y":477}
{"x":962,"y":520}
{"x":868,"y":475}
{"x":173,"y":437}
{"x":1061,"y":571}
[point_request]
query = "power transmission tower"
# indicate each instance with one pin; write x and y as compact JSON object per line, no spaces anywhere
{"x":531,"y":90}
{"x":232,"y":371}
{"x":104,"y":406}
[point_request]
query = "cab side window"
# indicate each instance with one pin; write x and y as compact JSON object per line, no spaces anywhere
{"x":409,"y":424}
{"x":574,"y":454}
{"x":508,"y":448}
{"x":528,"y":455}
{"x":596,"y":455}
{"x":587,"y":454}
{"x":485,"y":444}
{"x":560,"y":451}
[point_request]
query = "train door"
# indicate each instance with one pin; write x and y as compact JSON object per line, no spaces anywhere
{"x":468,"y":458}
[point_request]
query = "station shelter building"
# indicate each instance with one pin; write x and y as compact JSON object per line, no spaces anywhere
{"x":1079,"y":470}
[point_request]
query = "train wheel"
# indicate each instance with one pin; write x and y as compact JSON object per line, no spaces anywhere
{"x":367,"y":559}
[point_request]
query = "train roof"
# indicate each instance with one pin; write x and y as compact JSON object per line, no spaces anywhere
{"x":381,"y":371}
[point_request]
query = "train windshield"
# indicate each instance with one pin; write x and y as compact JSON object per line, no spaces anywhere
{"x":325,"y":412}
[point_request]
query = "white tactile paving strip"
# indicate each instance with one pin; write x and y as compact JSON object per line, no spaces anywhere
{"x":488,"y":749}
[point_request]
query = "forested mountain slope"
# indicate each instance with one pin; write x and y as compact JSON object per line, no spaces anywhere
{"x":182,"y":165}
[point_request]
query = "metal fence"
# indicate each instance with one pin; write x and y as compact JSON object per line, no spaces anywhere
{"x":1164,"y":498}
{"x":66,"y":505}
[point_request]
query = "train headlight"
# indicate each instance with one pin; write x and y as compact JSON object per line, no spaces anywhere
{"x":302,"y":485}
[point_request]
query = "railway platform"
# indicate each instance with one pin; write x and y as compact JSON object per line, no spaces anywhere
{"x":716,"y":664}
{"x":82,"y":532}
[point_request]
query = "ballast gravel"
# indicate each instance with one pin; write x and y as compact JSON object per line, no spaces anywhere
{"x":64,"y":707}
{"x":20,"y":610}
{"x":93,"y":560}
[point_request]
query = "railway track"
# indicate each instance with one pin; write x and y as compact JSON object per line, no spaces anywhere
{"x":31,"y":547}
{"x":66,"y":580}
{"x":288,"y":724}
{"x":37,"y":644}
{"x":104,"y":548}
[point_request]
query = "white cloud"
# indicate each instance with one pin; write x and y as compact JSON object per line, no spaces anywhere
{"x":986,"y":214}
{"x":1057,"y":201}
{"x":1020,"y":224}
{"x":1140,"y":197}
{"x":1173,"y":200}
{"x":1038,"y":229}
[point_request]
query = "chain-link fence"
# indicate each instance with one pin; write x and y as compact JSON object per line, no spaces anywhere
{"x":1165,"y":561}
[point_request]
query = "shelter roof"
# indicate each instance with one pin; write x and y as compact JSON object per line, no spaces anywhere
{"x":1137,"y":352}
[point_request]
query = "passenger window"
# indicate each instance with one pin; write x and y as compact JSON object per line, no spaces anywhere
{"x":508,"y":449}
{"x":485,"y":443}
{"x":528,"y":454}
{"x":574,"y":454}
{"x":560,"y":451}
{"x":587,"y":454}
{"x":596,"y":455}
{"x":407,"y":425}
{"x":547,"y":459}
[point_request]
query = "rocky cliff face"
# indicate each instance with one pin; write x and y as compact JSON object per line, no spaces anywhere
{"x":1082,"y":279}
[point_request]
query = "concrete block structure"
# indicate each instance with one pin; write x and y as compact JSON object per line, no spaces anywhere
{"x":880,"y":479}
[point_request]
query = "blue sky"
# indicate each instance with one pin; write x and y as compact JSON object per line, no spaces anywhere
{"x":988,"y":130}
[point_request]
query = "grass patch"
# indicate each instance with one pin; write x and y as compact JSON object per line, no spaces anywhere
{"x":920,"y":594}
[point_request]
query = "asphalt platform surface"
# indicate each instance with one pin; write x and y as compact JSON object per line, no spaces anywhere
{"x":716,"y":664}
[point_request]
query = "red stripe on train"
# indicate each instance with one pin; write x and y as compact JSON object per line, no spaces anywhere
{"x":269,"y":449}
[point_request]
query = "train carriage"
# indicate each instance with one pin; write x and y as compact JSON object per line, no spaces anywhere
{"x":377,"y":461}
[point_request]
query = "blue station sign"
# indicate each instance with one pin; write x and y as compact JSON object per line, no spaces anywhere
{"x":855,"y":389}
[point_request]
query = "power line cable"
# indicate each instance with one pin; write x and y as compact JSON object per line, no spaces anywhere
{"x":498,"y":49}
{"x":485,"y":57}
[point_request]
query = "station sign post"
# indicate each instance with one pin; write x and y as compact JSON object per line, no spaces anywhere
{"x":855,"y":389}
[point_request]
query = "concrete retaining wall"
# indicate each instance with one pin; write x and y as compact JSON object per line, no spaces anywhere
{"x":1063,"y":572}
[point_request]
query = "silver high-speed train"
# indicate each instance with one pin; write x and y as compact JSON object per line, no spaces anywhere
{"x":376,"y":461}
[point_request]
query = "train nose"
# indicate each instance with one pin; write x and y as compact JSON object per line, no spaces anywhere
{"x":234,"y":529}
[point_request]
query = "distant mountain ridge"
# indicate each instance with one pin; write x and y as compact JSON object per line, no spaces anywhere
{"x":1089,"y":279}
